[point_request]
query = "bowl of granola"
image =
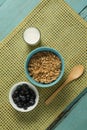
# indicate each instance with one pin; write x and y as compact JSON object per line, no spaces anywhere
{"x":44,"y":67}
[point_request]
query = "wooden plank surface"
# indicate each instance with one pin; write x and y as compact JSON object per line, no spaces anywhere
{"x":77,"y":5}
{"x":74,"y":117}
{"x":12,"y":12}
{"x":2,"y":2}
{"x":77,"y":116}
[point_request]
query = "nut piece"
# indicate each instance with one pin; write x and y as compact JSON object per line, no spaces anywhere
{"x":44,"y":67}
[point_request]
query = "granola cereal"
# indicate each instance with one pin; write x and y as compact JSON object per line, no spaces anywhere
{"x":44,"y":67}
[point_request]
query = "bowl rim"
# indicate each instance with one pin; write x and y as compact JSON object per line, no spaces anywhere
{"x":39,"y":49}
{"x":12,"y":102}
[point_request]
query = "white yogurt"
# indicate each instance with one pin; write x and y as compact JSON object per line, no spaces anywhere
{"x":32,"y":36}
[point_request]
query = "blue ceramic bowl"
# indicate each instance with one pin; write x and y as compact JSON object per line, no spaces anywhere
{"x":40,"y":49}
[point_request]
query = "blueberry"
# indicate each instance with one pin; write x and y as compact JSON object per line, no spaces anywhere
{"x":20,"y":96}
{"x":25,"y":106}
{"x":22,"y":92}
{"x":19,"y":104}
{"x":25,"y":87}
{"x":23,"y":98}
{"x":26,"y":92}
{"x":32,"y":92}
{"x":28,"y":96}
{"x":16,"y":100}
{"x":18,"y":87}
{"x":16,"y":92}
{"x":33,"y":97}
{"x":28,"y":104}
{"x":27,"y":99}
{"x":14,"y":95}
{"x":32,"y":102}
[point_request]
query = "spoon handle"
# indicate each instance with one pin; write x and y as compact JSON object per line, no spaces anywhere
{"x":48,"y":101}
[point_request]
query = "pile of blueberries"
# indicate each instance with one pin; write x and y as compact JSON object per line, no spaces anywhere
{"x":24,"y":96}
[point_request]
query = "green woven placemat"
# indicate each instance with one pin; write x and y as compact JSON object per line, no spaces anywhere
{"x":61,"y":29}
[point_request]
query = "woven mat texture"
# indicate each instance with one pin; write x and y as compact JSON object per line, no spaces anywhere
{"x":62,"y":29}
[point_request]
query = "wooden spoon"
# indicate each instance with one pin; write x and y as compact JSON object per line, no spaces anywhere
{"x":75,"y":73}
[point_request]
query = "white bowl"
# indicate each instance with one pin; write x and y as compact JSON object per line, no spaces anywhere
{"x":13,"y":103}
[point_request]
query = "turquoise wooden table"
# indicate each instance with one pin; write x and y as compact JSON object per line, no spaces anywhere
{"x":11,"y":14}
{"x":75,"y":115}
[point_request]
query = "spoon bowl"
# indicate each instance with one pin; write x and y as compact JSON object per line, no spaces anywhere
{"x":76,"y":72}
